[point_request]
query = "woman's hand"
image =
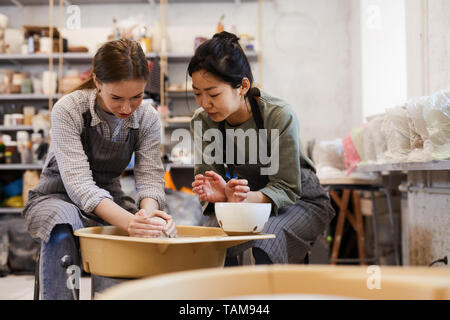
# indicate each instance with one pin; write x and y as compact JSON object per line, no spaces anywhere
{"x":170,"y":229}
{"x":210,"y":188}
{"x":236,"y":190}
{"x":141,"y":226}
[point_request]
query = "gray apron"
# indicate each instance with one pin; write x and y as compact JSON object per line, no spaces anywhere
{"x":297,"y":226}
{"x":49,"y":204}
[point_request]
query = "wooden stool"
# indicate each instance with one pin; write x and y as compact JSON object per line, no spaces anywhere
{"x":350,"y":188}
{"x":355,"y":219}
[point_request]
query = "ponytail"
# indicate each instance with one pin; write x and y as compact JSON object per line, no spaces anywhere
{"x":223,"y":57}
{"x":87,"y":84}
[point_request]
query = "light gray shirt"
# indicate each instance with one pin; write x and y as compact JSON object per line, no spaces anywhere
{"x":66,"y":147}
{"x":113,"y":122}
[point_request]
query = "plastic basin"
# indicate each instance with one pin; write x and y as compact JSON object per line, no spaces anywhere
{"x":109,"y":252}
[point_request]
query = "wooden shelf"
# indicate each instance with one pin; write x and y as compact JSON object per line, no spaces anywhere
{"x":20,"y":166}
{"x":20,"y":96}
{"x":177,"y":122}
{"x":10,"y":210}
{"x":106,"y":2}
{"x":181,"y":94}
{"x":186,"y":57}
{"x":82,"y":57}
{"x":406,"y":166}
{"x":168,"y":166}
{"x":16,"y":128}
{"x":87,"y":57}
{"x":176,"y":125}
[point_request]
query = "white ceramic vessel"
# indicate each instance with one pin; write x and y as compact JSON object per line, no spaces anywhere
{"x":242,"y":217}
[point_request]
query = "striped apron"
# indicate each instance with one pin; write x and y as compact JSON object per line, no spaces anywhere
{"x":48,"y":203}
{"x":296,"y":226}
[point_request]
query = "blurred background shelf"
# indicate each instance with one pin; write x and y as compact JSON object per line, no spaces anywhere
{"x":19,"y":166}
{"x":10,"y":210}
{"x":16,"y":128}
{"x":28,"y":97}
{"x":83,"y":57}
{"x":177,"y":122}
{"x":181,"y":94}
{"x":407,"y":166}
{"x":84,"y":2}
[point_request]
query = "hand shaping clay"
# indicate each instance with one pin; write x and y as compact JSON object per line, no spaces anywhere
{"x":163,"y":234}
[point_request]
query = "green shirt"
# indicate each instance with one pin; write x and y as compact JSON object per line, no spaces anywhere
{"x":284,"y":187}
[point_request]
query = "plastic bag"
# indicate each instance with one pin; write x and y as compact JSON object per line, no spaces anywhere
{"x":436,"y":112}
{"x":14,"y":188}
{"x":375,"y":140}
{"x":430,"y":119}
{"x":422,"y":148}
{"x":14,"y":202}
{"x":396,"y":129}
{"x":358,"y":141}
{"x":352,"y":158}
{"x":369,"y":145}
{"x":329,"y":154}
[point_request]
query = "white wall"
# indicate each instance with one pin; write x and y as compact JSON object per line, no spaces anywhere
{"x":307,"y":61}
{"x":318,"y":55}
{"x":428,"y":46}
{"x":438,"y":44}
{"x":306,"y":53}
{"x":405,"y":51}
{"x":383,"y":55}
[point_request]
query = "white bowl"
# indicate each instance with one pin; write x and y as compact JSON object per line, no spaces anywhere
{"x":242,"y":217}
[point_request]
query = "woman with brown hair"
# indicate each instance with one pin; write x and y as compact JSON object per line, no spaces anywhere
{"x":95,"y":131}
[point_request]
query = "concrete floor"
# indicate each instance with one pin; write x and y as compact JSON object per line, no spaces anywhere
{"x":21,"y":287}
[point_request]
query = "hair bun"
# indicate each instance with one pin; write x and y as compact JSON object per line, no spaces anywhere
{"x":227,"y":36}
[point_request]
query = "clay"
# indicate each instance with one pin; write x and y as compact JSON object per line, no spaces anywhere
{"x":163,"y":234}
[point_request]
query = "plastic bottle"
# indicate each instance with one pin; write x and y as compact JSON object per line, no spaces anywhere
{"x":2,"y":151}
{"x":30,"y":44}
{"x":29,"y":154}
{"x":8,"y":157}
{"x":220,"y":26}
{"x":116,"y":30}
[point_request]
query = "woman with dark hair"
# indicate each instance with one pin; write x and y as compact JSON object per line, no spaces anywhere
{"x":95,"y":131}
{"x":222,"y":82}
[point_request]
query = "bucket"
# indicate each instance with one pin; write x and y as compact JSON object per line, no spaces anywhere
{"x":110,"y":252}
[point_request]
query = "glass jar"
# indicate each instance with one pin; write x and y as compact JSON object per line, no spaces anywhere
{"x":8,"y":157}
{"x":17,"y":119}
{"x":28,"y":114}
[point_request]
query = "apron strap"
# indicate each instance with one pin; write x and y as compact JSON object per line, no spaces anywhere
{"x":256,"y":112}
{"x":87,"y":117}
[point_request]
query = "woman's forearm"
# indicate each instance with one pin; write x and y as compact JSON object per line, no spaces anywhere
{"x":257,"y":197}
{"x":111,"y":212}
{"x":149,"y":205}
